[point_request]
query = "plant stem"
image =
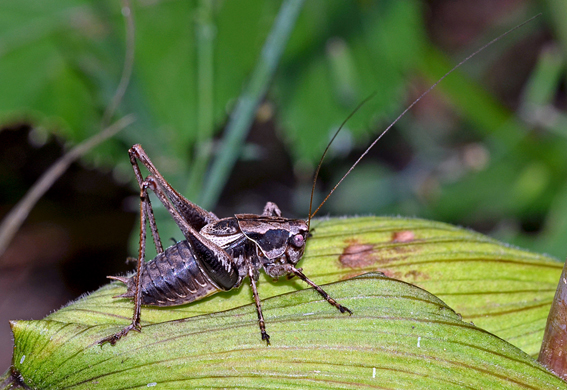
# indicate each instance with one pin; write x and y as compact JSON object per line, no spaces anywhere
{"x":205,"y":33}
{"x":243,"y":115}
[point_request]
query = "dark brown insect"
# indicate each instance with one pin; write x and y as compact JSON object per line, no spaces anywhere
{"x":218,"y":254}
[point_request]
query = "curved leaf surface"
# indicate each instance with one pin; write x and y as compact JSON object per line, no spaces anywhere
{"x":505,"y":290}
{"x":399,"y":337}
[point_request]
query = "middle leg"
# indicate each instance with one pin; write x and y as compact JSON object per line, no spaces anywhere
{"x":261,"y":322}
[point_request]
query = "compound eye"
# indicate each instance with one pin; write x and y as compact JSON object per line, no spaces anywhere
{"x":297,"y":240}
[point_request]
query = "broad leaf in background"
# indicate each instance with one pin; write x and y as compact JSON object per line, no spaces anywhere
{"x":39,"y":79}
{"x":79,"y":46}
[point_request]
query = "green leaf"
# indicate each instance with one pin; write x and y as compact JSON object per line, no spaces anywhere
{"x":398,"y":337}
{"x":411,"y":337}
{"x":502,"y":289}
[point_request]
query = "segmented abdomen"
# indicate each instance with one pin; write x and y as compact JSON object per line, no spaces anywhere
{"x":172,"y":278}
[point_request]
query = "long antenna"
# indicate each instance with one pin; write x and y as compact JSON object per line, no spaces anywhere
{"x":311,"y":215}
{"x":327,"y":149}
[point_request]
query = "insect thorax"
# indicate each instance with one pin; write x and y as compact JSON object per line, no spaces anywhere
{"x":263,"y":241}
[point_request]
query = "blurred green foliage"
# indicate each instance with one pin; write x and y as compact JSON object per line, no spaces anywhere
{"x":469,"y":154}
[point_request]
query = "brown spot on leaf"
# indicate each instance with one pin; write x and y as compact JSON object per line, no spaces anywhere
{"x":357,"y":255}
{"x":403,"y":236}
{"x":363,"y":255}
{"x":383,"y":257}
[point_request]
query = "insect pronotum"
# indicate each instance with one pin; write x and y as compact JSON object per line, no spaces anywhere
{"x":218,"y":254}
